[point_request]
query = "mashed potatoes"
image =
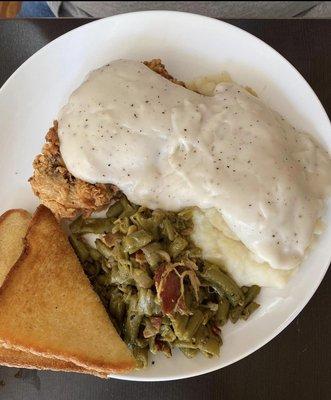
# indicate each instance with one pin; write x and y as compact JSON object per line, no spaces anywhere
{"x":221,"y":246}
{"x":218,"y":243}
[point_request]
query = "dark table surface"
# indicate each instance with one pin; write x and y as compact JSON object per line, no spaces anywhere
{"x":297,"y":363}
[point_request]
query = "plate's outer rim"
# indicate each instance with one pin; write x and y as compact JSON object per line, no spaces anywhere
{"x":163,"y":13}
{"x":160,"y":14}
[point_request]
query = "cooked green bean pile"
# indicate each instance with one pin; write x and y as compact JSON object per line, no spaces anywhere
{"x":156,"y":287}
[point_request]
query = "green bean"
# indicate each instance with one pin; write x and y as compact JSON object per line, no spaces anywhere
{"x":105,"y":265}
{"x":119,"y":254}
{"x":205,"y":293}
{"x":244,"y":289}
{"x":182,"y":224}
{"x":207,"y":355}
{"x":193,"y":324}
{"x":141,"y":356}
{"x":136,"y":241}
{"x":251,"y":294}
{"x":207,"y":316}
{"x":208,"y":343}
{"x":184,"y":345}
{"x":92,"y":225}
{"x":189,"y":353}
{"x":79,"y":247}
{"x":132,"y":228}
{"x":127,"y":291}
{"x":152,"y":346}
{"x":151,"y":254}
{"x":147,"y":302}
{"x":116,"y":278}
{"x":121,"y":225}
{"x":120,"y":275}
{"x":138,"y":219}
{"x":168,"y":229}
{"x":193,"y":252}
{"x":235,"y":313}
{"x":158,"y":216}
{"x":147,"y":224}
{"x":94,"y":253}
{"x":125,"y":270}
{"x":166,"y":320}
{"x":132,"y":322}
{"x":116,"y":305}
{"x":179,"y":324}
{"x":142,"y":279}
{"x":222,"y":313}
{"x":223,"y":284}
{"x":190,"y":300}
{"x":166,"y":349}
{"x":167,"y":333}
{"x":248,"y":310}
{"x":186,"y":214}
{"x":128,"y":209}
{"x":124,"y":278}
{"x":177,"y":246}
{"x":213,"y":307}
{"x":164,"y":255}
{"x":115,"y":210}
{"x":103,"y":249}
{"x":75,"y":225}
{"x":142,"y":212}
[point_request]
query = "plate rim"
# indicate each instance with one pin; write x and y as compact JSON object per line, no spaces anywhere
{"x":322,"y":271}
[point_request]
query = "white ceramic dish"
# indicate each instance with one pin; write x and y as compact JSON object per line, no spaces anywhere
{"x":190,"y":46}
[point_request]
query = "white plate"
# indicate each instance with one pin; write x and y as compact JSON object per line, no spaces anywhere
{"x":190,"y":46}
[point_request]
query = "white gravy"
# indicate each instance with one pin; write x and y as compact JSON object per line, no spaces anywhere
{"x":167,"y":147}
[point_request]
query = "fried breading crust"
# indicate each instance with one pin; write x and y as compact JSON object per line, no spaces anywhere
{"x":157,"y":66}
{"x":65,"y":195}
{"x":59,"y":190}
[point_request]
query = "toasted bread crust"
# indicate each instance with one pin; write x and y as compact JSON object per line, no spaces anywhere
{"x":23,"y":213}
{"x":41,"y":304}
{"x":20,"y":359}
{"x":13,"y":227}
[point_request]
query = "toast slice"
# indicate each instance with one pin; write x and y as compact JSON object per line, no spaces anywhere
{"x":21,"y":359}
{"x":49,"y":308}
{"x":13,"y":228}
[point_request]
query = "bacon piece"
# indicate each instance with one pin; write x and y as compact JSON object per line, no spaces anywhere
{"x":156,"y":322}
{"x":167,"y":284}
